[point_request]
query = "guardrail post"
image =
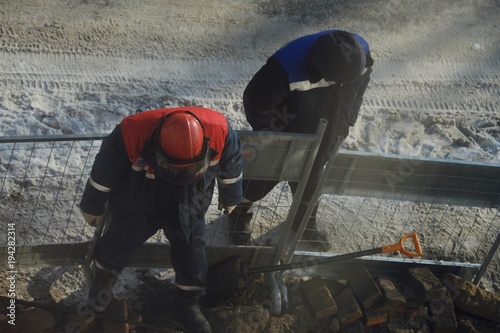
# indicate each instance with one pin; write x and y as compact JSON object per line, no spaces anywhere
{"x":299,"y":193}
{"x":487,"y":260}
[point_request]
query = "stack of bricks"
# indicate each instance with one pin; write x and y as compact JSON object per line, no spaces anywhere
{"x":431,"y":300}
{"x":419,"y":301}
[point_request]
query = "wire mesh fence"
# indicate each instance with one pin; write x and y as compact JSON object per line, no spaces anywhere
{"x":366,"y":200}
{"x":42,"y":179}
{"x":452,"y":205}
{"x":40,"y":185}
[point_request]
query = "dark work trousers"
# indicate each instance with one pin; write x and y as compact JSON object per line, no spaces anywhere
{"x":116,"y":247}
{"x":254,"y":190}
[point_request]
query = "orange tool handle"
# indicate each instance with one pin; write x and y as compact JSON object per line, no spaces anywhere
{"x":400,"y":246}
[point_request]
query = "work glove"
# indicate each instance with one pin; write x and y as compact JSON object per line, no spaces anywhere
{"x":227,"y":209}
{"x":92,"y":220}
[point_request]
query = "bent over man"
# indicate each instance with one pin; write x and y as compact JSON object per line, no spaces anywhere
{"x":157,"y":170}
{"x":323,"y":75}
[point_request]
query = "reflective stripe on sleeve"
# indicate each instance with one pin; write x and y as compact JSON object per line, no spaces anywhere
{"x":230,"y":180}
{"x":188,"y":288}
{"x":307,"y":85}
{"x":143,"y":168}
{"x":99,"y":186}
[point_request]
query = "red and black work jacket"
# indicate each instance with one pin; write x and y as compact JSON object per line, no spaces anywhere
{"x":124,"y":173}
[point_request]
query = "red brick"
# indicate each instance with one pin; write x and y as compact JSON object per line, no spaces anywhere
{"x":375,"y":315}
{"x":348,"y":308}
{"x":354,"y":327}
{"x":319,"y":297}
{"x":363,"y":286}
{"x":118,"y":309}
{"x":133,"y":316}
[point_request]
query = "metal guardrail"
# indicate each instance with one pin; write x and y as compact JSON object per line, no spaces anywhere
{"x":414,"y":179}
{"x":266,"y":156}
{"x":271,"y":156}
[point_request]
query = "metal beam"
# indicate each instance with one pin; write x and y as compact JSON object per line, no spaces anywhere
{"x":158,"y":256}
{"x":417,"y":179}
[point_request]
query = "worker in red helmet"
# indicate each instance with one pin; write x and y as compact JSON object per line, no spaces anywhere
{"x":157,"y":170}
{"x":182,"y":161}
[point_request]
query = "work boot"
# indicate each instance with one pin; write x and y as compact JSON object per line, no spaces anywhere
{"x":239,"y":224}
{"x":101,"y":291}
{"x":185,"y":305}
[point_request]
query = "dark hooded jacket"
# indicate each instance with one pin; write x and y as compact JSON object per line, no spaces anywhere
{"x":301,"y":83}
{"x":124,"y":170}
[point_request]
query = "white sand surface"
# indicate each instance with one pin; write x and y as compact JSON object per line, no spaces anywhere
{"x":80,"y":66}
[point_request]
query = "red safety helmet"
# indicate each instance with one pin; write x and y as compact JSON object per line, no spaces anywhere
{"x":182,"y":152}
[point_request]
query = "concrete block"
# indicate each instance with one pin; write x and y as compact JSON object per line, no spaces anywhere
{"x":426,"y":283}
{"x":398,"y":322}
{"x":335,"y":286}
{"x":348,"y":308}
{"x":335,"y":325}
{"x":470,"y":298}
{"x":319,"y":297}
{"x":394,"y":299}
{"x":417,"y":318}
{"x":414,"y":299}
{"x":465,"y":326}
{"x":442,"y":315}
{"x":363,"y":286}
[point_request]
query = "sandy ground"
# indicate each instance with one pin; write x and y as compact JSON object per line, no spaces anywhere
{"x":70,"y":67}
{"x":80,"y":66}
